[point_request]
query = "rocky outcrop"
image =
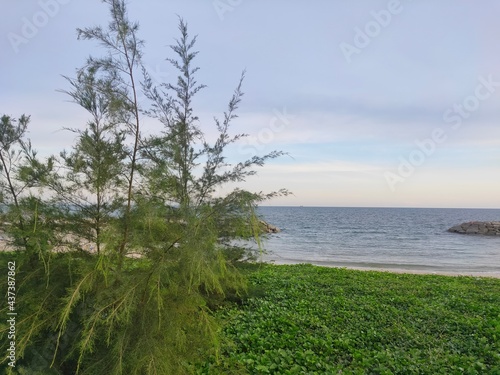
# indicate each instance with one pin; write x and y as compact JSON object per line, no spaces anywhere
{"x":268,"y":228}
{"x":487,"y":228}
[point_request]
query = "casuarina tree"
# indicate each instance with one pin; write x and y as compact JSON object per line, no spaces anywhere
{"x":124,"y":240}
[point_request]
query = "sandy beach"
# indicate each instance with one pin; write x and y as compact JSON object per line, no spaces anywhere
{"x":5,"y":246}
{"x":385,"y":268}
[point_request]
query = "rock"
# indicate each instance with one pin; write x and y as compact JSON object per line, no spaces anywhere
{"x":457,"y":229}
{"x":268,"y":228}
{"x":487,"y":228}
{"x":472,"y":229}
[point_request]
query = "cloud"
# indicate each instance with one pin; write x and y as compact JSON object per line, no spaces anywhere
{"x":331,"y":166}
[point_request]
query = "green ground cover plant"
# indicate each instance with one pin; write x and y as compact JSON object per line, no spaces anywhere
{"x":303,"y":319}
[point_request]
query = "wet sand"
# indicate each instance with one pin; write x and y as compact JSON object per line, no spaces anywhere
{"x":414,"y":270}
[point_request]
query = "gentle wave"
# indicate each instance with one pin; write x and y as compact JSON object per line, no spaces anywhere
{"x":392,"y":238}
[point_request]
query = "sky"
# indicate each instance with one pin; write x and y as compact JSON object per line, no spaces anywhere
{"x":376,"y":103}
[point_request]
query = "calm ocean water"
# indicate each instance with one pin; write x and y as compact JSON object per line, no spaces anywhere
{"x":389,"y":238}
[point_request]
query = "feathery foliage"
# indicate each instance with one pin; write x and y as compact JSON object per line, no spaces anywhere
{"x":122,"y":243}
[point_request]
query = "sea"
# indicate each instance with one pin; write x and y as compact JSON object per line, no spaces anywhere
{"x":399,"y":239}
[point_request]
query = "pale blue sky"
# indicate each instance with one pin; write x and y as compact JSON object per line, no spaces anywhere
{"x":348,"y":89}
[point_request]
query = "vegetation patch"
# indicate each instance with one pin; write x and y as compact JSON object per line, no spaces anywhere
{"x":317,"y":320}
{"x":124,"y":240}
